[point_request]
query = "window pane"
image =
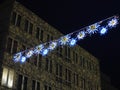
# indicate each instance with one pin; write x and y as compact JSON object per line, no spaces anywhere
{"x":41,"y":35}
{"x":13,"y":18}
{"x":9,"y":45}
{"x":47,"y":63}
{"x":18,"y":21}
{"x":26,"y":26}
{"x":38,"y":86}
{"x":33,"y":84}
{"x":10,"y":79}
{"x":20,"y":77}
{"x":4,"y":76}
{"x":30,"y":28}
{"x":25,"y":83}
{"x":15,"y":47}
{"x":37,"y":33}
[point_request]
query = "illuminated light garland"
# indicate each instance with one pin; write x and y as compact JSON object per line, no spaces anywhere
{"x":93,"y":28}
{"x":81,"y":35}
{"x":103,"y":30}
{"x":70,"y":39}
{"x":64,"y":40}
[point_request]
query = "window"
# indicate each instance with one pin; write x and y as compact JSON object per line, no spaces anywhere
{"x":75,"y":79}
{"x":22,"y":82}
{"x":39,"y":34}
{"x":16,"y":19}
{"x":82,"y":83}
{"x":59,"y":51}
{"x":35,"y":85}
{"x":68,"y":77}
{"x":67,"y":53}
{"x":12,"y":46}
{"x":48,"y":37}
{"x":59,"y":73}
{"x":47,"y":87}
{"x":48,"y":66}
{"x":28,"y":27}
{"x":75,"y":57}
{"x":7,"y":77}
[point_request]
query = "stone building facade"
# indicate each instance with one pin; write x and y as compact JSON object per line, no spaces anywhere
{"x":63,"y":69}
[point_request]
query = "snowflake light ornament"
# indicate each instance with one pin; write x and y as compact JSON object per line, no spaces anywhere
{"x":93,"y":28}
{"x":38,"y":49}
{"x":64,"y":40}
{"x":81,"y":35}
{"x":17,"y":57}
{"x":113,"y":22}
{"x":52,"y":45}
{"x":29,"y":54}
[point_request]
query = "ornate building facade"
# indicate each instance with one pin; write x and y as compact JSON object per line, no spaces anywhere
{"x":63,"y":69}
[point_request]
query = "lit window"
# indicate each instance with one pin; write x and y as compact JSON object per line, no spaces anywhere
{"x":7,"y":77}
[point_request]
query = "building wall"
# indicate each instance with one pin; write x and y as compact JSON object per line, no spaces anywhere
{"x":65,"y":68}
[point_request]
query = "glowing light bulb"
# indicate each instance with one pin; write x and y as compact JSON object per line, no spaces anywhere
{"x":103,"y":31}
{"x":72,"y":42}
{"x":23,"y":59}
{"x":45,"y":52}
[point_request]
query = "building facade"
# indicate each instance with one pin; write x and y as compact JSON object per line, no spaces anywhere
{"x":63,"y":69}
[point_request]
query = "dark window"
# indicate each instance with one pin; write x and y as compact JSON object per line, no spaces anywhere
{"x":68,"y":77}
{"x":46,"y":87}
{"x":48,"y":37}
{"x":48,"y":65}
{"x":75,"y":79}
{"x":18,"y":21}
{"x":26,"y":26}
{"x":33,"y":84}
{"x":9,"y":45}
{"x":13,"y":18}
{"x":19,"y":85}
{"x":41,"y":35}
{"x":38,"y":86}
{"x":40,"y":60}
{"x":51,"y":37}
{"x":67,"y":53}
{"x":25,"y":83}
{"x":22,"y":83}
{"x":15,"y":45}
{"x":59,"y":73}
{"x":37,"y":33}
{"x":30,"y":28}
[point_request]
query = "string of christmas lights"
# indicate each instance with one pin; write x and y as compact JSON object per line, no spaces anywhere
{"x":70,"y":39}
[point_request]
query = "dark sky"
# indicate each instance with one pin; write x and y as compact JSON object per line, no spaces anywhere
{"x":70,"y":15}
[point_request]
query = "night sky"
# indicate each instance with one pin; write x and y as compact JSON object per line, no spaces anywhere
{"x":71,"y":15}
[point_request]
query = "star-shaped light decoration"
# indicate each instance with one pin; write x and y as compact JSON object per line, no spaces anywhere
{"x":72,"y":42}
{"x":93,"y":28}
{"x":52,"y":45}
{"x":81,"y":35}
{"x":64,"y":40}
{"x":113,"y":22}
{"x":38,"y":49}
{"x":17,"y":57}
{"x":29,"y":53}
